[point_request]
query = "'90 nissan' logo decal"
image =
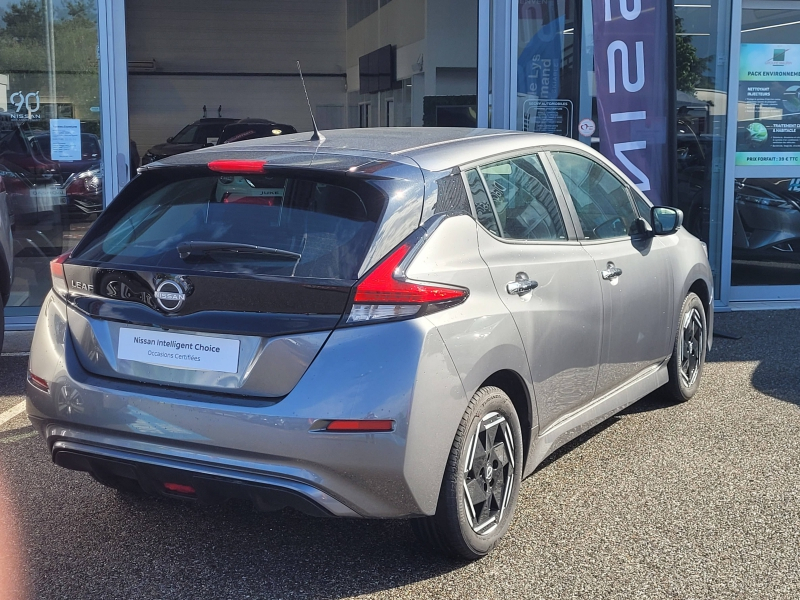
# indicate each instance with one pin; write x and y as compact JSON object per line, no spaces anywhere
{"x":170,"y":296}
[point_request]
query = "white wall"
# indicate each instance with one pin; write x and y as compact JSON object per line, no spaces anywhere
{"x":203,"y":37}
{"x":437,"y":49}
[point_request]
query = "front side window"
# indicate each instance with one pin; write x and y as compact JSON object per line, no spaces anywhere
{"x":600,"y":199}
{"x":523,"y":200}
{"x":186,"y":135}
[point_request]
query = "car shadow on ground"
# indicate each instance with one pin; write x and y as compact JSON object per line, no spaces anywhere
{"x":770,"y":338}
{"x":238,"y":552}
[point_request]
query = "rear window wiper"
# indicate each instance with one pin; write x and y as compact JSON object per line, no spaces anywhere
{"x":186,"y":249}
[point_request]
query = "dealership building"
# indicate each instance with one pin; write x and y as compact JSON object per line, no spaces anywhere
{"x":90,"y":89}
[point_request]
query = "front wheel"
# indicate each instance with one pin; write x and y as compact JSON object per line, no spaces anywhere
{"x":689,"y":352}
{"x":481,"y":481}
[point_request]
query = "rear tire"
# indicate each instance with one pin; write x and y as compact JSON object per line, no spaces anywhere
{"x":481,"y":480}
{"x":689,"y":351}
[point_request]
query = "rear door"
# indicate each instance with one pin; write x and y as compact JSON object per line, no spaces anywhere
{"x":632,"y":272}
{"x":213,"y":280}
{"x":544,"y":277}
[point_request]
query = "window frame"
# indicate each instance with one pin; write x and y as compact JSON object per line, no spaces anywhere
{"x":556,"y":185}
{"x":571,"y":204}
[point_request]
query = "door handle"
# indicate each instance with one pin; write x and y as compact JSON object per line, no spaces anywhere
{"x":521,"y":285}
{"x":611,"y":272}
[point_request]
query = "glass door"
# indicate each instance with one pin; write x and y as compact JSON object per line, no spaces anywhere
{"x":765,"y":220}
{"x":51,"y":141}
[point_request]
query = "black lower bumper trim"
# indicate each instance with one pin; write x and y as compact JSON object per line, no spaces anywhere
{"x":209,"y":489}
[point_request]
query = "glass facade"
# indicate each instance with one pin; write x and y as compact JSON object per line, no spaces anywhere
{"x":702,"y":43}
{"x":766,"y":206}
{"x":548,"y":66}
{"x":50,"y":147}
{"x":231,"y":75}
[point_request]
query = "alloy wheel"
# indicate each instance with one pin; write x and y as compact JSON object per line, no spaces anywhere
{"x":489,"y":473}
{"x":691,"y":347}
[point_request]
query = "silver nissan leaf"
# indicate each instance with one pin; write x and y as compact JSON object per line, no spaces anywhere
{"x":393,"y":323}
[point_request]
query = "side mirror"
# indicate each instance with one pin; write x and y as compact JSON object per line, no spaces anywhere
{"x":666,"y":220}
{"x":169,"y":139}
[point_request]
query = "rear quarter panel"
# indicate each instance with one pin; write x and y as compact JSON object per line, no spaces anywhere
{"x":480,"y":334}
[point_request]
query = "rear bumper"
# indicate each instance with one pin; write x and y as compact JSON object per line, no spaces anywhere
{"x":210,"y":483}
{"x":399,"y":371}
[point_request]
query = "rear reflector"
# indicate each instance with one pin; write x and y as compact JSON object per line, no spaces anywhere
{"x":179,"y":488}
{"x":237,"y":166}
{"x":365,"y":426}
{"x":38,"y":382}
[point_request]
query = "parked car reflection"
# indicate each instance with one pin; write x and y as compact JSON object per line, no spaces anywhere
{"x":200,"y":134}
{"x":250,"y":129}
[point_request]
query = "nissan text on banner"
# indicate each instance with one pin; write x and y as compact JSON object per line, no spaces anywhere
{"x":631,"y":56}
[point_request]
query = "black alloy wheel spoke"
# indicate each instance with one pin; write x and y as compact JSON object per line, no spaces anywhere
{"x":476,"y":492}
{"x":487,"y":477}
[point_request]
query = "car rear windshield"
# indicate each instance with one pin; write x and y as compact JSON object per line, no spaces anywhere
{"x":311,"y":227}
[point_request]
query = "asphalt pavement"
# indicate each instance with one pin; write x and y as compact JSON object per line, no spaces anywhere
{"x":675,"y":501}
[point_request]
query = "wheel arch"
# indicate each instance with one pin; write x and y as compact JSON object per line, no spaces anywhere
{"x":702,"y":287}
{"x":515,"y":387}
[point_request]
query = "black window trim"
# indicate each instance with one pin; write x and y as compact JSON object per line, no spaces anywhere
{"x":555,"y":185}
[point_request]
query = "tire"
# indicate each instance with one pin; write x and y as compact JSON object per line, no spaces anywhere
{"x":467,"y":525}
{"x":685,"y":367}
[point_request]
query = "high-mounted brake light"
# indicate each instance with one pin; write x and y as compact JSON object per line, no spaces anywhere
{"x":57,"y":274}
{"x":226,"y":165}
{"x":385,"y":293}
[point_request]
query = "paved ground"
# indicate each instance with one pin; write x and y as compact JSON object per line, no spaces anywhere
{"x":700,"y":500}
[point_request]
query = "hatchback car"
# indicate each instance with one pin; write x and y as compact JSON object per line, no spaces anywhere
{"x":200,"y":134}
{"x":395,"y":324}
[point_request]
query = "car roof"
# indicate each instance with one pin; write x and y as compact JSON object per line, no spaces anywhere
{"x":432,"y":148}
{"x":214,"y":120}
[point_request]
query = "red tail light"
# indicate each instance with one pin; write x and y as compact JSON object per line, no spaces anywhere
{"x":38,"y":382}
{"x":225,"y":165}
{"x":234,"y":198}
{"x":57,"y":274}
{"x":385,"y":293}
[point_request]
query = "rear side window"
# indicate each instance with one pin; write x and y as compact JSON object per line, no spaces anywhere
{"x":256,"y":225}
{"x":483,"y":208}
{"x":523,"y":200}
{"x":600,"y":199}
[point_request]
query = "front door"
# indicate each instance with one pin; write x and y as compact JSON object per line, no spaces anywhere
{"x":633,"y":273}
{"x":544,"y":277}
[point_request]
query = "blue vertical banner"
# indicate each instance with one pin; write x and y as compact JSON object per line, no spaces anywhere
{"x":633,"y":77}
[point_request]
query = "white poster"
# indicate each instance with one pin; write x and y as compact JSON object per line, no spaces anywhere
{"x":179,"y":350}
{"x":65,"y":139}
